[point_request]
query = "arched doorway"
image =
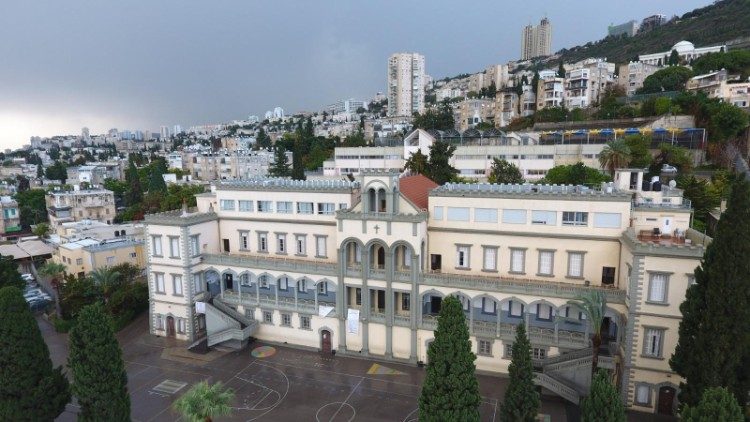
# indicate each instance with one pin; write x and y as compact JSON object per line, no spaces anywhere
{"x":665,"y":405}
{"x":212,"y":282}
{"x":170,"y":326}
{"x":325,"y":341}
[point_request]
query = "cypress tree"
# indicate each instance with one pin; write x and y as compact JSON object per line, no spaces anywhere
{"x":30,"y":389}
{"x":521,"y":401}
{"x":298,"y":167}
{"x":450,"y":391}
{"x":280,"y":166}
{"x":717,"y":404}
{"x":714,"y":335}
{"x":156,"y":181}
{"x":99,"y":378}
{"x":134,"y":194}
{"x":440,"y":170}
{"x":603,"y":403}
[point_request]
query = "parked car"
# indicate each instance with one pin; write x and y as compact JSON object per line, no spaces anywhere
{"x":27,"y":277}
{"x":666,"y":168}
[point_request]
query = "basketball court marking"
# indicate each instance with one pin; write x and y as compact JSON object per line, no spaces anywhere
{"x":169,"y":386}
{"x":378,"y":369}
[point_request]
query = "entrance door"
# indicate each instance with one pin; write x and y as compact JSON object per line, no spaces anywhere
{"x":666,"y":400}
{"x":170,"y":326}
{"x":435,"y":262}
{"x":435,"y":303}
{"x":666,"y":228}
{"x":325,"y":341}
{"x":228,"y":282}
{"x":226,"y":244}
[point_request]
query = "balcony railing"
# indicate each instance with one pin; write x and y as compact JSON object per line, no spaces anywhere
{"x":271,"y":263}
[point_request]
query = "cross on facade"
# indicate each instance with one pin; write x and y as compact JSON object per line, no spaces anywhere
{"x":376,"y":228}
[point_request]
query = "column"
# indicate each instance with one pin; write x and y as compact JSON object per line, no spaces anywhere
{"x":415,"y":306}
{"x":365,"y":308}
{"x":341,"y":307}
{"x":497,"y":321}
{"x":557,"y":336}
{"x":221,"y":285}
{"x":471,"y":317}
{"x":257,"y":292}
{"x":389,"y":274}
{"x":295,"y":292}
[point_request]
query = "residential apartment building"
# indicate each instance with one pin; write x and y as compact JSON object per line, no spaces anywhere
{"x":686,"y":50}
{"x":723,"y":86}
{"x":96,"y":173}
{"x":10,"y":218}
{"x":536,"y":40}
{"x":80,"y":204}
{"x":470,"y":112}
{"x":633,"y":74}
{"x":406,"y":72}
{"x":80,"y":257}
{"x":227,"y":165}
{"x":551,"y":90}
{"x":628,"y":29}
{"x":346,"y":106}
{"x":652,"y":22}
{"x":362,"y":267}
{"x":586,"y":82}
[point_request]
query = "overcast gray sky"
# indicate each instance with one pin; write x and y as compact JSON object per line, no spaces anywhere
{"x":141,"y":64}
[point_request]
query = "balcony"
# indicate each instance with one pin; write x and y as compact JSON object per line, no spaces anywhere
{"x":271,"y":302}
{"x":271,"y":263}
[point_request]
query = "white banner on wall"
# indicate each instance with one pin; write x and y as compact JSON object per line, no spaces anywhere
{"x":352,"y":321}
{"x":200,"y":307}
{"x":323,"y":311}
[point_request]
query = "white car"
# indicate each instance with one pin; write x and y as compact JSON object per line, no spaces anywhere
{"x":666,"y":168}
{"x":27,"y":277}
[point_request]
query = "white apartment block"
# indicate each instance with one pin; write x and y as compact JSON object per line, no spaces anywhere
{"x":536,"y":40}
{"x":228,"y":165}
{"x":96,"y":173}
{"x":405,"y":91}
{"x":633,"y":74}
{"x":685,"y":49}
{"x":586,"y":81}
{"x":10,"y":218}
{"x":361,"y":268}
{"x":349,"y":106}
{"x":551,"y":90}
{"x":79,"y":205}
{"x":723,"y":86}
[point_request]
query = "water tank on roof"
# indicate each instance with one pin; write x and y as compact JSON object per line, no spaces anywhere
{"x":657,"y":186}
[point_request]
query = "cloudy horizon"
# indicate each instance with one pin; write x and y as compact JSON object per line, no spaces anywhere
{"x":141,"y":65}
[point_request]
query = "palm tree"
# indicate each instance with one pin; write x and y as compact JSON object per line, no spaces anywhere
{"x":106,"y":278}
{"x":55,"y":272}
{"x":594,"y":305}
{"x":203,"y":402}
{"x":614,"y":155}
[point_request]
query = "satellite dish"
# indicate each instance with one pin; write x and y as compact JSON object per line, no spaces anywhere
{"x":672,"y":184}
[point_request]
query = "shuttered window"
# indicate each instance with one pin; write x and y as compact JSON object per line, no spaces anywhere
{"x":545,"y":262}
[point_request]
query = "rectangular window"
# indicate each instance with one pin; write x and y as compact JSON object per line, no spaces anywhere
{"x":301,"y":244}
{"x":322,"y":288}
{"x":326,"y":208}
{"x":484,"y":347}
{"x":489,"y":306}
{"x":195,"y":245}
{"x":405,"y":301}
{"x":246,"y":206}
{"x":226,"y":204}
{"x":575,"y":218}
{"x":607,"y":220}
{"x":284,"y":207}
{"x":642,"y":394}
{"x":538,"y":353}
{"x":508,"y":351}
{"x":514,"y":216}
{"x":160,"y":322}
{"x":575,"y":264}
{"x":174,"y":246}
{"x":546,"y":259}
{"x":515,"y":309}
{"x":156,"y":245}
{"x":462,"y":256}
{"x":485,"y":215}
{"x":110,"y":261}
{"x":79,"y":261}
{"x":358,"y":296}
{"x":181,"y":325}
{"x":320,"y":247}
{"x":283,"y":283}
{"x":343,"y":206}
{"x":653,"y":342}
{"x":177,"y":285}
{"x":302,"y":286}
{"x":159,"y":282}
{"x":543,"y":312}
{"x":437,"y":213}
{"x":197,"y":283}
{"x":458,"y":214}
{"x":286,"y":320}
{"x":304,"y":322}
{"x":657,"y":290}
{"x":265,"y":206}
{"x":133,"y":254}
{"x":262,"y":242}
{"x":304,"y":207}
{"x":548,"y":218}
{"x":267,"y":317}
{"x":281,"y":243}
{"x":490,"y":259}
{"x":518,"y":261}
{"x":244,"y":241}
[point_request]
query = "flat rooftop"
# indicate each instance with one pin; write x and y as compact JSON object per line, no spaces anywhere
{"x":530,"y":190}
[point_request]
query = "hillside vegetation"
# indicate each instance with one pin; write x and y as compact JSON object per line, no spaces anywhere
{"x":720,"y":22}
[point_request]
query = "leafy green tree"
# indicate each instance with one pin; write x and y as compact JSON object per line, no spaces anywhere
{"x":614,"y":155}
{"x":107,"y":279}
{"x":662,"y":105}
{"x":672,"y":155}
{"x":640,"y":152}
{"x":298,"y":167}
{"x":9,"y":275}
{"x":714,"y":334}
{"x":450,"y":391}
{"x":57,"y":171}
{"x":417,"y":163}
{"x":55,"y":272}
{"x":674,"y":58}
{"x":32,"y":207}
{"x":42,"y":230}
{"x":726,"y":121}
{"x":717,"y":404}
{"x":593,"y":304}
{"x":134,"y":194}
{"x":262,"y":140}
{"x":203,"y":402}
{"x":118,"y":188}
{"x":561,"y":70}
{"x":504,"y":172}
{"x":355,"y":140}
{"x":575,"y":174}
{"x":702,"y":197}
{"x":280,"y":166}
{"x":735,"y":62}
{"x":603,"y":403}
{"x":439,"y":169}
{"x":156,"y":182}
{"x":521,"y":400}
{"x":440,"y":118}
{"x":30,"y":388}
{"x":672,"y":78}
{"x":99,"y":377}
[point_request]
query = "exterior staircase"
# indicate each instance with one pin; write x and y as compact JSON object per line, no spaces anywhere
{"x":227,"y":327}
{"x":569,"y":374}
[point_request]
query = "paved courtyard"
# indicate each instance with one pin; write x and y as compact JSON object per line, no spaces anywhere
{"x":281,"y":384}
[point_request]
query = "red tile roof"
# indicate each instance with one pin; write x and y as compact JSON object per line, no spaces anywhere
{"x":417,"y":189}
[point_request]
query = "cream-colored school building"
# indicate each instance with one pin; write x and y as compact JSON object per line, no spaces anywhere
{"x":361,"y":268}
